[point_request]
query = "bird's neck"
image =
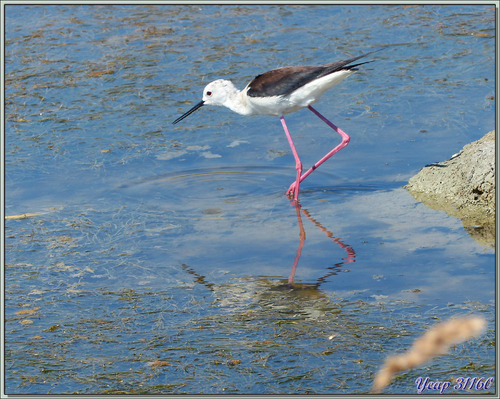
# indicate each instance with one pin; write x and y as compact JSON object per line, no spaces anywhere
{"x":237,"y":102}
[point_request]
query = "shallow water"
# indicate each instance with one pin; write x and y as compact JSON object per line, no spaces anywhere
{"x":159,"y":258}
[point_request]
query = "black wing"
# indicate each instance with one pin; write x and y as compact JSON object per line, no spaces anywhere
{"x":284,"y":81}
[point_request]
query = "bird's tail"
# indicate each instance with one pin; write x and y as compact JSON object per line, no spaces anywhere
{"x":353,"y":67}
{"x":344,"y":65}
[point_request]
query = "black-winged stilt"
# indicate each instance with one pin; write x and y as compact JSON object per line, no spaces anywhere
{"x":280,"y":92}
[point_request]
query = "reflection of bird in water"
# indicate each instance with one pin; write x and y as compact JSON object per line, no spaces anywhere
{"x":282,"y":91}
{"x":333,"y":270}
{"x":351,"y":255}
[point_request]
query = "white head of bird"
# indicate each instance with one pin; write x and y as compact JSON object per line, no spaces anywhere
{"x":219,"y":92}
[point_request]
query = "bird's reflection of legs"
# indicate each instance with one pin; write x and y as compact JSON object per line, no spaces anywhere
{"x":302,"y":239}
{"x":351,"y":255}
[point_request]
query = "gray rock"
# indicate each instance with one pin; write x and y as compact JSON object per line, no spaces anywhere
{"x":464,"y":187}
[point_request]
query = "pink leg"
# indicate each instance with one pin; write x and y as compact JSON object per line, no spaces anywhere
{"x":345,"y":141}
{"x":298,"y":164}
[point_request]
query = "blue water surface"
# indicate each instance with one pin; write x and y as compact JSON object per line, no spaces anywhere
{"x":158,"y":257}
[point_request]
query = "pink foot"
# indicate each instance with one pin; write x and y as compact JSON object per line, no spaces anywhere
{"x":291,"y":191}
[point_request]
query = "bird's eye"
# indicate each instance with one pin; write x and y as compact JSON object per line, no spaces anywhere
{"x":209,"y":93}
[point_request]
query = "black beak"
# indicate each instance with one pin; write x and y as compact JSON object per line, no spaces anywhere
{"x":189,"y":112}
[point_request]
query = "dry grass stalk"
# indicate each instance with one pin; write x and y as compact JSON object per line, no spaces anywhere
{"x":434,"y":342}
{"x":22,"y":216}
